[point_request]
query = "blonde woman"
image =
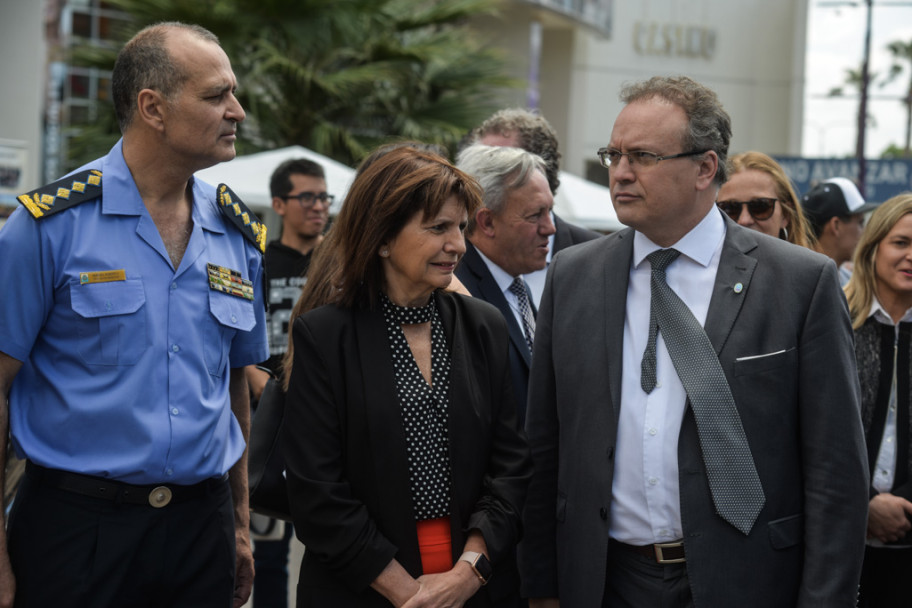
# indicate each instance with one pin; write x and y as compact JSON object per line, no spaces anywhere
{"x":759,"y":195}
{"x":880,"y":301}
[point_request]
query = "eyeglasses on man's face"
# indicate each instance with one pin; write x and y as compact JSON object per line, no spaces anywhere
{"x":759,"y":208}
{"x":309,"y":199}
{"x":638,"y":158}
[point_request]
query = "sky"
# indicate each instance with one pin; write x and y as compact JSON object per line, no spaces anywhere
{"x":835,"y":43}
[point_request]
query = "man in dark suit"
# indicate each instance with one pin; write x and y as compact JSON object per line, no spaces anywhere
{"x":507,"y":238}
{"x":521,"y":128}
{"x":621,"y":510}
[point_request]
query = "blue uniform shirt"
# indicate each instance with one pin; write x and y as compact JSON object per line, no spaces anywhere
{"x":128,"y":378}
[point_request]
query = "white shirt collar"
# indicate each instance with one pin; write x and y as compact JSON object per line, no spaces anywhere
{"x":700,"y":244}
{"x":882,"y":316}
{"x":501,"y":276}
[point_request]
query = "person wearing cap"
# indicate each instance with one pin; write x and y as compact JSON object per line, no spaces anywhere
{"x":836,"y":211}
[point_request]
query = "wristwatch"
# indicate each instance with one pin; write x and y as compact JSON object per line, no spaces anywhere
{"x":480,"y":565}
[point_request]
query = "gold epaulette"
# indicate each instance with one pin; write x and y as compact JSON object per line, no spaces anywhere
{"x":242,"y":217}
{"x":62,"y":194}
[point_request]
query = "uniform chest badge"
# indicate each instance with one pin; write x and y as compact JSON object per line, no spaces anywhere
{"x":229,"y":281}
{"x":102,"y":276}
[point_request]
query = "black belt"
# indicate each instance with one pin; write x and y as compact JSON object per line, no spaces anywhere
{"x":660,"y":553}
{"x":117,"y":491}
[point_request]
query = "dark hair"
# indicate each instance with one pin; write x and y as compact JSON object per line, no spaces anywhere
{"x":381,"y":201}
{"x":145,"y":63}
{"x":280,"y":182}
{"x":346,"y":269}
{"x":534,"y":134}
{"x":381,"y":151}
{"x":708,"y":124}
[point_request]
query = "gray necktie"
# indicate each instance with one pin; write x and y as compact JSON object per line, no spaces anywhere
{"x":518,"y":287}
{"x":733,"y":479}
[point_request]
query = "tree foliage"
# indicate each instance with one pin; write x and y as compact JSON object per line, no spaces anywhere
{"x":902,"y":61}
{"x":342,"y":76}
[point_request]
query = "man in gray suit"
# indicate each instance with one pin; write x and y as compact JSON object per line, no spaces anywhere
{"x":621,"y":511}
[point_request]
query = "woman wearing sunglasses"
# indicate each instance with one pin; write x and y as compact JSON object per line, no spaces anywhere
{"x":880,"y":302}
{"x":758,"y":195}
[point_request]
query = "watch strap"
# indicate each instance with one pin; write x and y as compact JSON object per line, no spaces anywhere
{"x":472,"y":558}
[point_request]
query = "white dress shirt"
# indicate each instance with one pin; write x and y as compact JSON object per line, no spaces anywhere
{"x":504,"y":280}
{"x":646,"y":500}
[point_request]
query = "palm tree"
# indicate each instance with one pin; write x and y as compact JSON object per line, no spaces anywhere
{"x":902,"y":56}
{"x":853,"y":81}
{"x":341,"y":76}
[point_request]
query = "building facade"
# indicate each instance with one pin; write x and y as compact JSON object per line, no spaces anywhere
{"x":577,"y":55}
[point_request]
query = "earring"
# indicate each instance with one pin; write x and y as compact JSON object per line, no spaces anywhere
{"x":384,"y":253}
{"x":784,"y":233}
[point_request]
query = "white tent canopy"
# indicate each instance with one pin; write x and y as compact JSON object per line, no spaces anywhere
{"x":585,"y":203}
{"x":248,"y":176}
{"x":579,"y":201}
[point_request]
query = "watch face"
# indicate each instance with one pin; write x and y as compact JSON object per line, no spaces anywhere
{"x":483,"y":567}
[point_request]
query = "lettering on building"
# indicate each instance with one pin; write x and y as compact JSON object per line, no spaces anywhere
{"x":674,"y":40}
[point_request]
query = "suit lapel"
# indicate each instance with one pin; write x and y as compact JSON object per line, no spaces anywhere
{"x":736,"y":268}
{"x":381,"y":402}
{"x":618,"y":254}
{"x":463,"y":401}
{"x":489,"y":291}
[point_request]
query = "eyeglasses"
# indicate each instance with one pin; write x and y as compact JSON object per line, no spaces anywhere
{"x":309,"y":199}
{"x":638,"y":158}
{"x":759,"y":208}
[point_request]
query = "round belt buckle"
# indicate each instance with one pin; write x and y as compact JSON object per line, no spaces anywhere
{"x":160,"y":497}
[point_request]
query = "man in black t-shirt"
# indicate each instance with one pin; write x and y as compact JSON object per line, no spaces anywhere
{"x":299,"y":197}
{"x":298,"y":189}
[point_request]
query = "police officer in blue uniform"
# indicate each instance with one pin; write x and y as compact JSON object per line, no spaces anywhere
{"x":132,"y":302}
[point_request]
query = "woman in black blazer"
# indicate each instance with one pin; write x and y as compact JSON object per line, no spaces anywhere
{"x":406,"y":470}
{"x":880,"y":301}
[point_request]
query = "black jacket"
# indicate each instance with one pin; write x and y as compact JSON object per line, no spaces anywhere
{"x":345,"y":451}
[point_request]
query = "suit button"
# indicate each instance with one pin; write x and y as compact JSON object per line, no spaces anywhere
{"x":603,"y":512}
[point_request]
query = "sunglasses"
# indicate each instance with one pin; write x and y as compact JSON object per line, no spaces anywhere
{"x":759,"y":208}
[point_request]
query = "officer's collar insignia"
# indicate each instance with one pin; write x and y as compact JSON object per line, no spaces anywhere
{"x":62,"y":194}
{"x":242,"y":217}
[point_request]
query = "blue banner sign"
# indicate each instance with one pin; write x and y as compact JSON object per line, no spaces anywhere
{"x":883,"y":178}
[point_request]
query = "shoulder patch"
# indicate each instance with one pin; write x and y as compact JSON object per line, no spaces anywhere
{"x":242,"y":217}
{"x":62,"y":194}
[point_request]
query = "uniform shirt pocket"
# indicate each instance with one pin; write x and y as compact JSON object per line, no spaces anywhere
{"x":231,"y":314}
{"x":111,"y":321}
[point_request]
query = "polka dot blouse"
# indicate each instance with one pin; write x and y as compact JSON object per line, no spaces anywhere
{"x":423,"y":408}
